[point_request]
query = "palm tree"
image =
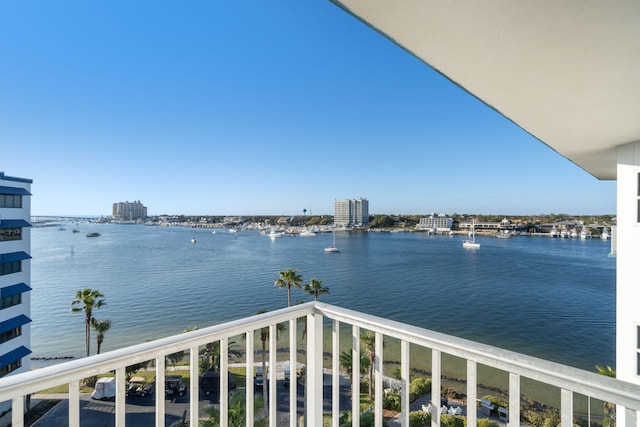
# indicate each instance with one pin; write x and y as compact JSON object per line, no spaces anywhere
{"x":264,"y":336}
{"x":368,"y":341}
{"x":100,"y":326}
{"x":609,"y":408}
{"x":346,"y":361}
{"x":210,"y":354}
{"x":315,"y":288}
{"x":237,"y":413}
{"x":87,"y":300}
{"x":289,"y":278}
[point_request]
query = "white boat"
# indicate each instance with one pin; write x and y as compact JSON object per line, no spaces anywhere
{"x":275,"y":234}
{"x":332,"y":247}
{"x":605,"y":234}
{"x":307,"y":233}
{"x":584,"y":234}
{"x":553,"y":232}
{"x":471,"y":244}
{"x":193,"y":240}
{"x":233,"y":230}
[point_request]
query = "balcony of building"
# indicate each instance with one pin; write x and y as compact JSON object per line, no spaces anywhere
{"x":319,"y":334}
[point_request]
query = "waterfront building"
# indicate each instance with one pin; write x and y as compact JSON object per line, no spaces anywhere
{"x":439,"y":223}
{"x":232,"y":220}
{"x":15,"y":276}
{"x":504,"y":225}
{"x":351,"y":212}
{"x":129,"y":211}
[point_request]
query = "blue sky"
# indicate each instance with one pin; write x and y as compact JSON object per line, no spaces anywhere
{"x":254,"y":107}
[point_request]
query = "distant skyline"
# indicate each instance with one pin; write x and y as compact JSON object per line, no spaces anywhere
{"x":255,"y":108}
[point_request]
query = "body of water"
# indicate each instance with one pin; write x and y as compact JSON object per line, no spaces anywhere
{"x":550,"y":298}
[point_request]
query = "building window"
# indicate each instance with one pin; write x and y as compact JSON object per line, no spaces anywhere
{"x":10,"y":234}
{"x":10,"y":201}
{"x":10,"y":334}
{"x":10,"y":367}
{"x":10,"y":301}
{"x":10,"y":267}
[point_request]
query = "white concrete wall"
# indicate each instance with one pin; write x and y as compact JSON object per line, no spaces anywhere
{"x":628,"y":266}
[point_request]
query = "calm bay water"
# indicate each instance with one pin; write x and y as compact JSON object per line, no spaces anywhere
{"x":550,"y":298}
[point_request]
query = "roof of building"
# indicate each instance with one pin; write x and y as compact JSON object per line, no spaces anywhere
{"x":13,"y":178}
{"x":567,"y":72}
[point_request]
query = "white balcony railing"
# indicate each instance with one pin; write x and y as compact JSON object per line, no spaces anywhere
{"x":570,"y":381}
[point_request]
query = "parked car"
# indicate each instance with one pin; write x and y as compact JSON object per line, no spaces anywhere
{"x":210,"y":382}
{"x":287,"y":375}
{"x":258,"y":379}
{"x":174,"y":385}
{"x":139,"y":386}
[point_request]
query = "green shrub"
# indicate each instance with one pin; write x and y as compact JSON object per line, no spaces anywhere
{"x":418,"y":387}
{"x":366,"y":420}
{"x":485,"y":422}
{"x":447,"y":420}
{"x":419,"y":419}
{"x":391,"y":400}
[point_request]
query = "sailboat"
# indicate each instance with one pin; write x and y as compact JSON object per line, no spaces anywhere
{"x":471,"y":244}
{"x":333,"y":247}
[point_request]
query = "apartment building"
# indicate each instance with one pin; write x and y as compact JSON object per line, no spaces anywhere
{"x":351,"y":212}
{"x":15,"y":276}
{"x":129,"y":210}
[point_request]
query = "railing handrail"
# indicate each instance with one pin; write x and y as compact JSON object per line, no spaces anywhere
{"x":565,"y":377}
{"x":559,"y":375}
{"x":74,"y":370}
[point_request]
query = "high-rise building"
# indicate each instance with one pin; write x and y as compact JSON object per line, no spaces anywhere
{"x":15,"y":276}
{"x":351,"y":212}
{"x":129,"y":211}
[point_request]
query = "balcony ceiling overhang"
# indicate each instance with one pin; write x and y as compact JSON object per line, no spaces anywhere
{"x":567,"y":72}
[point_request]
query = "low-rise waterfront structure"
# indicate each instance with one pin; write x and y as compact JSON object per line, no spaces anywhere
{"x":435,"y":223}
{"x":495,"y":226}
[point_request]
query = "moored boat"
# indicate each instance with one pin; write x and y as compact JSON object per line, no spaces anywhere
{"x":471,"y":244}
{"x":332,"y":247}
{"x":94,"y":234}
